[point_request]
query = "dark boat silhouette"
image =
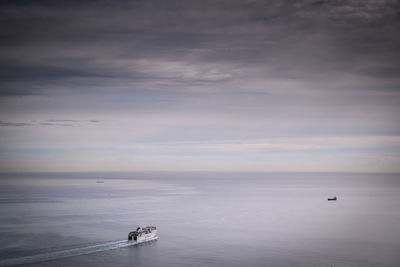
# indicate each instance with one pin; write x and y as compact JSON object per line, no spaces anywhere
{"x":332,"y":198}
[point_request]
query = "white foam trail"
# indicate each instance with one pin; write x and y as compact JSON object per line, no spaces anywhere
{"x":70,"y":252}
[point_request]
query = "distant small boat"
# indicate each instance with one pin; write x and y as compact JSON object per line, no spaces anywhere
{"x":332,"y":198}
{"x":99,"y":182}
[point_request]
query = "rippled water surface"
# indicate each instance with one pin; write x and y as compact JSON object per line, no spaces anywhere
{"x":203,"y":219}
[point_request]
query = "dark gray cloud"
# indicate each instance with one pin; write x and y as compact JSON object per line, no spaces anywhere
{"x":58,"y":124}
{"x":102,"y":45}
{"x":14,"y":124}
{"x":62,"y":121}
{"x":73,"y":123}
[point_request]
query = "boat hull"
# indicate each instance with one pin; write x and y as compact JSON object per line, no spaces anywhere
{"x":147,"y":237}
{"x":146,"y":240}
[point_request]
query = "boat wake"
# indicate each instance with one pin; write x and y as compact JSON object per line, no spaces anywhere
{"x":69,"y":252}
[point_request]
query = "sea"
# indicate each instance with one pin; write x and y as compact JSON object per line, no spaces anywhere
{"x":203,"y":219}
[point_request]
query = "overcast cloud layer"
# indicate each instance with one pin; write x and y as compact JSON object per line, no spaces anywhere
{"x":200,"y":85}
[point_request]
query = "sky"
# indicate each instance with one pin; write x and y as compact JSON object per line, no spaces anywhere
{"x":174,"y":85}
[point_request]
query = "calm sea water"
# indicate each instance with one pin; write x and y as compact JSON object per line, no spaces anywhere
{"x":203,"y":219}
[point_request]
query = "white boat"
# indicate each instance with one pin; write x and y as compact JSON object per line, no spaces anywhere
{"x":147,"y":233}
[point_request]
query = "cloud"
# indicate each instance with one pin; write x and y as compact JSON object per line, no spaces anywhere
{"x":350,"y":11}
{"x":62,"y":120}
{"x":15,"y":124}
{"x":59,"y":124}
{"x":209,"y":76}
{"x":95,"y":46}
{"x":52,"y":122}
{"x":277,"y":145}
